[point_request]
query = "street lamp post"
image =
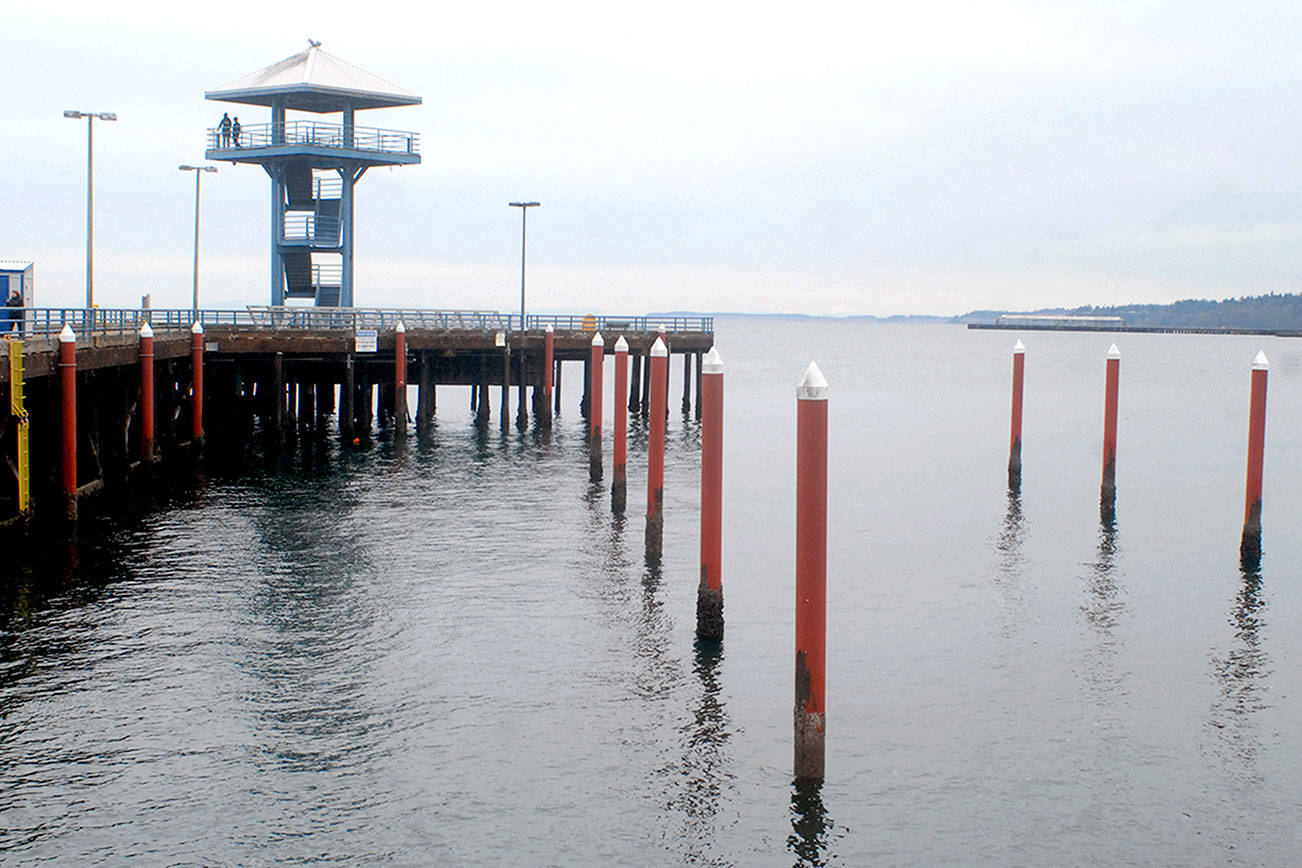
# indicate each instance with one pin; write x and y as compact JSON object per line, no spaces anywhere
{"x":524,"y":217}
{"x":90,"y":192}
{"x":198,"y":173}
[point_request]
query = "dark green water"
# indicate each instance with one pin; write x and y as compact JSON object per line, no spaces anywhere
{"x":452,"y":653}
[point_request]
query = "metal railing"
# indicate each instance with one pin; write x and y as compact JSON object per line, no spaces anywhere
{"x":49,"y":321}
{"x":619,"y":324}
{"x":315,"y":134}
{"x":307,"y":226}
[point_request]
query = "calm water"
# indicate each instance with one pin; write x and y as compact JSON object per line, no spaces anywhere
{"x":454,"y":654}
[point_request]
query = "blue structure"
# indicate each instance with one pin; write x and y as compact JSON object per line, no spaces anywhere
{"x":17,"y":274}
{"x":314,"y":166}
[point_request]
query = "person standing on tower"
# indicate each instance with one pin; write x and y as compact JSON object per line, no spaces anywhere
{"x":235,"y":131}
{"x":225,"y":128}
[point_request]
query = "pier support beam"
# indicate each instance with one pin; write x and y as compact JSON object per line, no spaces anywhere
{"x":709,"y":594}
{"x":544,"y":407}
{"x":425,"y":394}
{"x":1250,"y":547}
{"x":400,"y":381}
{"x":347,"y":395}
{"x":196,"y":384}
{"x":658,"y":367}
{"x":811,"y":574}
{"x":68,"y":390}
{"x":619,"y":483}
{"x":506,"y":389}
{"x":1015,"y":432}
{"x":146,"y":393}
{"x":1108,"y":489}
{"x":596,"y":364}
{"x":687,"y":383}
{"x":635,"y":385}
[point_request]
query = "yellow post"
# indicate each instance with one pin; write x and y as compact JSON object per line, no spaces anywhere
{"x":19,"y":412}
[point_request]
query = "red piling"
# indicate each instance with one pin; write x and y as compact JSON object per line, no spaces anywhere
{"x":595,"y":365}
{"x":196,"y":378}
{"x":709,"y":594}
{"x":1015,"y":436}
{"x":146,"y":393}
{"x":1108,"y":492}
{"x":549,"y":366}
{"x":811,"y":574}
{"x":655,"y":478}
{"x":68,"y":383}
{"x":619,"y":484}
{"x":400,"y":381}
{"x":1250,"y":547}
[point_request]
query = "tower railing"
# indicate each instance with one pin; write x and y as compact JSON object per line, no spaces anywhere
{"x":315,"y":134}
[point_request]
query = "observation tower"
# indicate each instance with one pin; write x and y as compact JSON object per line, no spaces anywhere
{"x":314,"y":165}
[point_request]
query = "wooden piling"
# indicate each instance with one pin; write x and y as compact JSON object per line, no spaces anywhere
{"x":146,"y":393}
{"x":556,"y":398}
{"x":506,"y":389}
{"x":347,"y":395}
{"x":596,"y":363}
{"x":400,"y":381}
{"x":658,"y":368}
{"x":68,"y":392}
{"x":635,"y":385}
{"x":1250,"y":546}
{"x":646,"y":382}
{"x":196,"y":384}
{"x":699,"y":377}
{"x":811,"y":574}
{"x":1108,"y":490}
{"x":1015,"y":435}
{"x":687,"y":383}
{"x":521,"y":392}
{"x":709,"y":594}
{"x":619,"y":483}
{"x":544,"y":410}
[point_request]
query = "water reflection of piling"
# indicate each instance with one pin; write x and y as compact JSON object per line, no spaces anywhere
{"x":1241,"y":671}
{"x":1015,"y":433}
{"x":1250,"y":547}
{"x":811,"y":574}
{"x":1108,"y":490}
{"x":703,"y":774}
{"x":811,"y":828}
{"x":709,"y":595}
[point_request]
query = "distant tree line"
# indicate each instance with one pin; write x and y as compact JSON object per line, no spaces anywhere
{"x":1273,"y":311}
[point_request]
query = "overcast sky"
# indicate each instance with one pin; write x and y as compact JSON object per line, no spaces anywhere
{"x":924,"y":157}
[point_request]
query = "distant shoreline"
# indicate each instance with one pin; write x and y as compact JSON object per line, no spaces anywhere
{"x":1163,"y":330}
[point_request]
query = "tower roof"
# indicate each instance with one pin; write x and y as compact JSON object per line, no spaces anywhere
{"x":314,"y":81}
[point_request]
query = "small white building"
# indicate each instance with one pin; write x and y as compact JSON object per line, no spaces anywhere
{"x":17,"y":274}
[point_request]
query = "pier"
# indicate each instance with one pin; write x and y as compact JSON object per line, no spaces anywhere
{"x":288,"y":370}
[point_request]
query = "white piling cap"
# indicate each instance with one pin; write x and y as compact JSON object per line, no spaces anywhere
{"x":661,"y":328}
{"x":1260,"y":363}
{"x":146,"y":331}
{"x":621,"y":345}
{"x":659,"y":349}
{"x":598,"y":340}
{"x":1113,"y":352}
{"x":67,"y":336}
{"x":712,"y":362}
{"x":549,"y":330}
{"x":1019,"y":347}
{"x":400,"y":328}
{"x":813,"y":385}
{"x":197,"y":328}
